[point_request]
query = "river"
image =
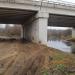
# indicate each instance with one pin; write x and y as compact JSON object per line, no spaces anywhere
{"x":65,"y":46}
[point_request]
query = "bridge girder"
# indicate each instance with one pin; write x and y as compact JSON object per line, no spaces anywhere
{"x":61,"y":20}
{"x":14,"y":16}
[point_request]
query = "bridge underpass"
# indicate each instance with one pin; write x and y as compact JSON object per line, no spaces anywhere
{"x":62,"y":21}
{"x":16,"y":16}
{"x":34,"y":24}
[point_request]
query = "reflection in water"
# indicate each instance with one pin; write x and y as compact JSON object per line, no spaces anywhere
{"x":61,"y":45}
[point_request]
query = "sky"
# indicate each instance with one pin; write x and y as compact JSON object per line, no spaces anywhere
{"x":4,"y":25}
{"x":58,"y":28}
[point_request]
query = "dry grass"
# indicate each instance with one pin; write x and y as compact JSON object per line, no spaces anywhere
{"x":18,"y":58}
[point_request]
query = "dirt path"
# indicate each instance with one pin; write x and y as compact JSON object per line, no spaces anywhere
{"x":18,"y":58}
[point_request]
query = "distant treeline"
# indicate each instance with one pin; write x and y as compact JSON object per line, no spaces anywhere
{"x":59,"y":34}
{"x":11,"y":31}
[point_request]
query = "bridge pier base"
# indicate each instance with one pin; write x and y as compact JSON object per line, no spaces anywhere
{"x":73,"y":32}
{"x":36,"y":28}
{"x":23,"y":32}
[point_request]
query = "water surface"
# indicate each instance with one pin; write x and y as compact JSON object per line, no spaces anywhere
{"x":61,"y":45}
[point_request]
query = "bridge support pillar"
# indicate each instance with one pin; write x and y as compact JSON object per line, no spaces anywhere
{"x":23,"y":31}
{"x":42,"y":22}
{"x":73,"y":32}
{"x":36,"y":28}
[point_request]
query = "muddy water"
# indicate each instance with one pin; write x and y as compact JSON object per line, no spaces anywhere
{"x":62,"y":45}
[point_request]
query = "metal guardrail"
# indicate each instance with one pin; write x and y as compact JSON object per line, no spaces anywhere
{"x":54,"y":2}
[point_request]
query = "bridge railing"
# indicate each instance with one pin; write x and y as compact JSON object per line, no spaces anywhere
{"x":15,"y":1}
{"x":58,"y":2}
{"x":54,"y":2}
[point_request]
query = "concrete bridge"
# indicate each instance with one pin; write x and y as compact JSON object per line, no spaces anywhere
{"x":35,"y":16}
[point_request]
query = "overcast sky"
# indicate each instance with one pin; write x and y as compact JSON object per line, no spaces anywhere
{"x":59,"y":28}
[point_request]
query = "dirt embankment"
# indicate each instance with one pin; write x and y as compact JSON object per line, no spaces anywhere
{"x":18,"y":58}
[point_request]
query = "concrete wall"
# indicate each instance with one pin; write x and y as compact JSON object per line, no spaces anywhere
{"x":32,"y":30}
{"x":36,"y":28}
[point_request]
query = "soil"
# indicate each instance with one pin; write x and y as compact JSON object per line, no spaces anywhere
{"x":17,"y":58}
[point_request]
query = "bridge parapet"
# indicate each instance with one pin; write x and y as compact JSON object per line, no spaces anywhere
{"x":58,"y":2}
{"x":45,"y":5}
{"x":16,"y":1}
{"x":53,"y":3}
